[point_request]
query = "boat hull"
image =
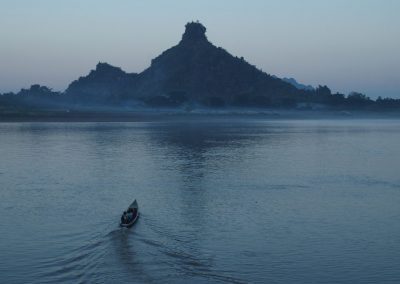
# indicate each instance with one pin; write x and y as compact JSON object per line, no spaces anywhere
{"x":134,"y":205}
{"x":131,"y":223}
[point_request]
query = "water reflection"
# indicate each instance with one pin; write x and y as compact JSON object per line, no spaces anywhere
{"x":193,"y":152}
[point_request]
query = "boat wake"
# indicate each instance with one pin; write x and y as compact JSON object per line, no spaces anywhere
{"x":149,"y":252}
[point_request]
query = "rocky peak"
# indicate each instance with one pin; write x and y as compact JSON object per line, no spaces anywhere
{"x":106,"y":68}
{"x":194,"y":32}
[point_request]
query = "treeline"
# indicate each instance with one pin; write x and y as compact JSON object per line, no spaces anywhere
{"x":39,"y":97}
{"x":320,"y":98}
{"x":36,"y":97}
{"x":352,"y":101}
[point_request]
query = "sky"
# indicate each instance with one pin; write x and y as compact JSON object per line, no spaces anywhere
{"x":349,"y":45}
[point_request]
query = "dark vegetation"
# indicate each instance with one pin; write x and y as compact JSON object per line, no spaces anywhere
{"x":194,"y":72}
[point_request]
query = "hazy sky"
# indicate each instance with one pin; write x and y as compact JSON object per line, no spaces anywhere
{"x":345,"y":44}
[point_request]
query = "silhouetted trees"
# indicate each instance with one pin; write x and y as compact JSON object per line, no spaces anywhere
{"x":323,"y":91}
{"x":388,"y":103}
{"x":36,"y":97}
{"x":357,"y":100}
{"x":42,"y":97}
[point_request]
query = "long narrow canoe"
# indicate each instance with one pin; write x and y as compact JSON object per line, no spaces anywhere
{"x":133,"y":206}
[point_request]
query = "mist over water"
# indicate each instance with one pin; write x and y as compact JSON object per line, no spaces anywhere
{"x":223,"y":200}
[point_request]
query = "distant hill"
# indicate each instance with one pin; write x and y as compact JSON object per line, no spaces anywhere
{"x":195,"y":70}
{"x":104,"y":84}
{"x":298,"y":85}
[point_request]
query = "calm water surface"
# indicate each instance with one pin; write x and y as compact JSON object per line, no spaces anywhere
{"x":223,"y":201}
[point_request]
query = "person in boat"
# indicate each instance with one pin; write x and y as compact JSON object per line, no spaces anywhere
{"x":129,"y":216}
{"x":123,"y":218}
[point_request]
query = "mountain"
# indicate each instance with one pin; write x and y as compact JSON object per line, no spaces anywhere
{"x":298,"y":85}
{"x":193,"y":70}
{"x":203,"y":71}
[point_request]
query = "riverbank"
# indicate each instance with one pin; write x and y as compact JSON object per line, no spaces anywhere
{"x":165,"y":114}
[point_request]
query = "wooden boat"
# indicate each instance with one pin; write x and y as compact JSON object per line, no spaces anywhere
{"x":135,"y":208}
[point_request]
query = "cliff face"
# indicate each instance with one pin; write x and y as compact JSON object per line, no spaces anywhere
{"x":194,"y":68}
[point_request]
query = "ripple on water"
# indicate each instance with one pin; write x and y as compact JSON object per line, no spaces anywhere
{"x":141,"y":251}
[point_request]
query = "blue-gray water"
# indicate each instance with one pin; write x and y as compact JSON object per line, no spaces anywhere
{"x":226,"y":200}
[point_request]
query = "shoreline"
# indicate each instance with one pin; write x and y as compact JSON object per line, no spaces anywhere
{"x":165,"y":115}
